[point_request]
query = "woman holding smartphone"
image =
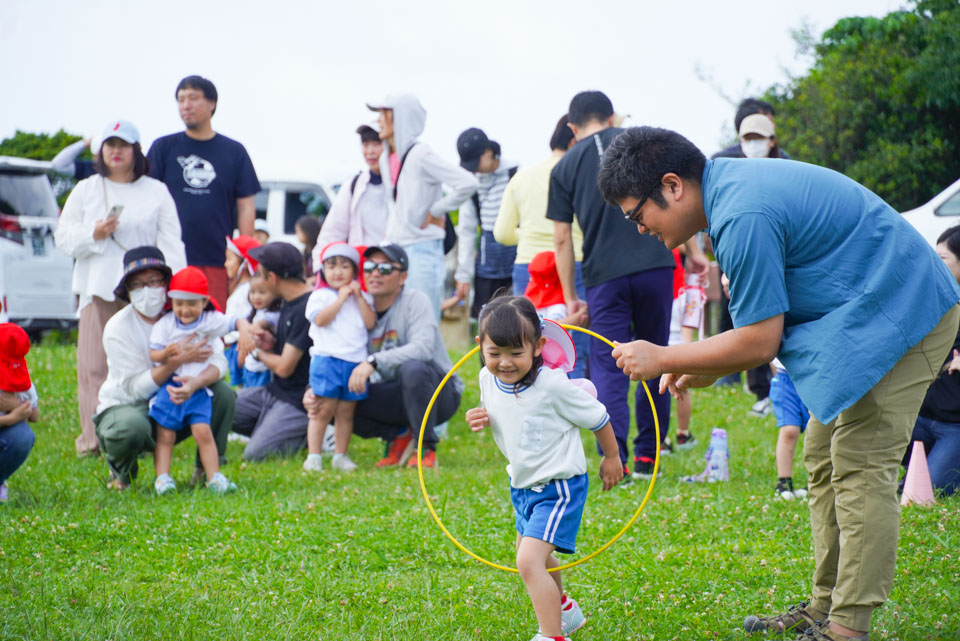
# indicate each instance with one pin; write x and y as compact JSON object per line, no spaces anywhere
{"x":117,"y":209}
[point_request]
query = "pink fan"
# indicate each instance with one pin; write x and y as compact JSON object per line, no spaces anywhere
{"x":558,"y":352}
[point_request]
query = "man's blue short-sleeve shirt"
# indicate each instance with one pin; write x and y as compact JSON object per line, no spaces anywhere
{"x":857,"y":285}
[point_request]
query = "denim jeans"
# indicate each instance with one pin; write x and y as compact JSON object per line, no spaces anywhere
{"x":16,"y":442}
{"x":941,"y":442}
{"x":581,"y":341}
{"x":426,"y":271}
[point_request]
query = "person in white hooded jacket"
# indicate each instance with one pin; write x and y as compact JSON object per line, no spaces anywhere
{"x":417,"y":202}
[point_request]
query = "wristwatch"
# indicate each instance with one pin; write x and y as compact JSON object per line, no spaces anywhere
{"x":372,"y":360}
{"x":255,"y":353}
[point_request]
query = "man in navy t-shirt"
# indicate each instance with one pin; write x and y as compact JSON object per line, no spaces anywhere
{"x":211,"y":179}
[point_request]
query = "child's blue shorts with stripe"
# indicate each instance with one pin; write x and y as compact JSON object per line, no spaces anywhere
{"x":787,"y":406}
{"x":552,"y":512}
{"x":329,"y":376}
{"x":196,"y":409}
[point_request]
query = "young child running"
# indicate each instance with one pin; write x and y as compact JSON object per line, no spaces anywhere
{"x":193,"y":313}
{"x":264,"y":313}
{"x":240,"y":269}
{"x":340,"y":315}
{"x":535,"y":414}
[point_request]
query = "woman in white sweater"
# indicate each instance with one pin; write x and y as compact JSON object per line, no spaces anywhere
{"x":117,"y":209}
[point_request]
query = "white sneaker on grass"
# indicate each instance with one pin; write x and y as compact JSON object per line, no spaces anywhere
{"x":343,"y":463}
{"x":220,"y":484}
{"x":164,"y":484}
{"x":572,"y":619}
{"x":314,"y":463}
{"x":235,"y":437}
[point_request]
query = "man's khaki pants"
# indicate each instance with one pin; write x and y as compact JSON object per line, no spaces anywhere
{"x":853,"y":464}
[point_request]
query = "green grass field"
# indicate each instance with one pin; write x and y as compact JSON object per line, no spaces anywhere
{"x":333,"y":556}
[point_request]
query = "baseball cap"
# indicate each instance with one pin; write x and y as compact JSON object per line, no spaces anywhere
{"x":757,"y":124}
{"x":340,"y":249}
{"x":544,"y":288}
{"x":122,"y":129}
{"x":14,"y":345}
{"x":387,"y":102}
{"x":470,"y":145}
{"x":259,"y":224}
{"x":395,"y":253}
{"x":283,"y":259}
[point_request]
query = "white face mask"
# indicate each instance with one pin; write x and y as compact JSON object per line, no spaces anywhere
{"x":755,"y":148}
{"x":149,"y":301}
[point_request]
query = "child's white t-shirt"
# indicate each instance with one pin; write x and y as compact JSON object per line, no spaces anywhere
{"x":250,"y":363}
{"x":238,"y":306}
{"x":345,"y":337}
{"x":28,"y":395}
{"x":167,"y":330}
{"x":538,"y":428}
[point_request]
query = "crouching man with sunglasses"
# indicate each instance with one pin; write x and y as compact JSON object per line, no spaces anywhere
{"x":406,"y":363}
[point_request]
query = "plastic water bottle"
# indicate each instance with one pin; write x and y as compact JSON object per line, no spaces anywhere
{"x":718,"y":456}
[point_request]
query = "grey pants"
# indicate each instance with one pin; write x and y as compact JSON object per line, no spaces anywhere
{"x":126,"y":431}
{"x":274,"y":426}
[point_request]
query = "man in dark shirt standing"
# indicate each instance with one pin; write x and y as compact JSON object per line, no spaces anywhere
{"x":628,"y":277}
{"x":211,"y":179}
{"x":273,"y":415}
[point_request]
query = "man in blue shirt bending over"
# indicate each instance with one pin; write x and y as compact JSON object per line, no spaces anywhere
{"x":860,"y":310}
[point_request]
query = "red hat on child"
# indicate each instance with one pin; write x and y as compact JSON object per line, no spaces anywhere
{"x":544,"y":288}
{"x":191,"y":284}
{"x":241,"y":246}
{"x":14,"y":345}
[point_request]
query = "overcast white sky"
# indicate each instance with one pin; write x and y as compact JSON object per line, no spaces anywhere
{"x":293,"y":76}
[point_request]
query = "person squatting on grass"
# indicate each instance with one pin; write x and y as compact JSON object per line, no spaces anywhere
{"x":18,"y":403}
{"x":536,"y":414}
{"x":124,"y":430}
{"x":184,"y":401}
{"x":240,"y":270}
{"x":861,"y":311}
{"x":340,"y":315}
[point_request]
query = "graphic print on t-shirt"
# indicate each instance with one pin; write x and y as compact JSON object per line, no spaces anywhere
{"x":197,"y":172}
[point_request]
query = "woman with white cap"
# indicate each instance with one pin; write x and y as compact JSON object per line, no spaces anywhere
{"x":757,"y":137}
{"x":117,"y":209}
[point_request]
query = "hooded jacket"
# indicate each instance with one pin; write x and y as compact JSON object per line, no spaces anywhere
{"x":420,"y":186}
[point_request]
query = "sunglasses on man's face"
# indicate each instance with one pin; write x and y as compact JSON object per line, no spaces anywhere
{"x":384,"y":269}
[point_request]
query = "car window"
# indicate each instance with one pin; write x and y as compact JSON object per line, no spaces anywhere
{"x":298,"y":203}
{"x":27,"y":195}
{"x":951,"y":207}
{"x":260,"y":202}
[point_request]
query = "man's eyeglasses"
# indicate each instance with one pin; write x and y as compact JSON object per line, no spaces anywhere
{"x":633,"y":215}
{"x":384,"y":269}
{"x":159,"y":281}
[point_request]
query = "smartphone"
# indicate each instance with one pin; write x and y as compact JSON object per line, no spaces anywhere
{"x":115,"y":211}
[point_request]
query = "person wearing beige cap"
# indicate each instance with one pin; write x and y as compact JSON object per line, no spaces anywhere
{"x":757,"y":139}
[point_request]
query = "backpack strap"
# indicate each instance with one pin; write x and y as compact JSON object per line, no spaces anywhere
{"x":353,"y":183}
{"x":400,"y":171}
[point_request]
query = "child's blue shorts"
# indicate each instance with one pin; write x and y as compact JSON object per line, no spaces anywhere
{"x":197,"y":409}
{"x":255,"y":379}
{"x":552,"y":514}
{"x":236,"y":377}
{"x":787,"y":406}
{"x":329,"y":377}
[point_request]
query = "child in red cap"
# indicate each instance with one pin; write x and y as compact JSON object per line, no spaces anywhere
{"x":19,"y":395}
{"x":193,"y":314}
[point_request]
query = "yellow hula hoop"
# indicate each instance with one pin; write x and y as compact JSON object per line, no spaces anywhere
{"x":602,"y":548}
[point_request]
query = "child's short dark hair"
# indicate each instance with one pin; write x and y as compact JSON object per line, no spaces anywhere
{"x":511,"y":321}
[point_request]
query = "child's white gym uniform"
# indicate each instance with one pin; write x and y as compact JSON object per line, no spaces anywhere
{"x":538,"y":429}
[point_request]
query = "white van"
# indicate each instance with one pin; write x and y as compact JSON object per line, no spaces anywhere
{"x":936,"y":216}
{"x":35,"y":277}
{"x":282,"y":202}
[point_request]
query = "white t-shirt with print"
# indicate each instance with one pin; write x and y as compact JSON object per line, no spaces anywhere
{"x":210,"y":326}
{"x":538,"y":427}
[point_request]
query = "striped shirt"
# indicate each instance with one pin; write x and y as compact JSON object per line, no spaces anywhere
{"x":494,"y":260}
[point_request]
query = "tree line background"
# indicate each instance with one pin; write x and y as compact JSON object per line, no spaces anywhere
{"x":880,"y":103}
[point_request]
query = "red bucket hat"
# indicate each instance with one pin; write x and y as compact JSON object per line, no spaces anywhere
{"x":241,"y":246}
{"x":14,"y":345}
{"x":544,"y":288}
{"x":190,"y":284}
